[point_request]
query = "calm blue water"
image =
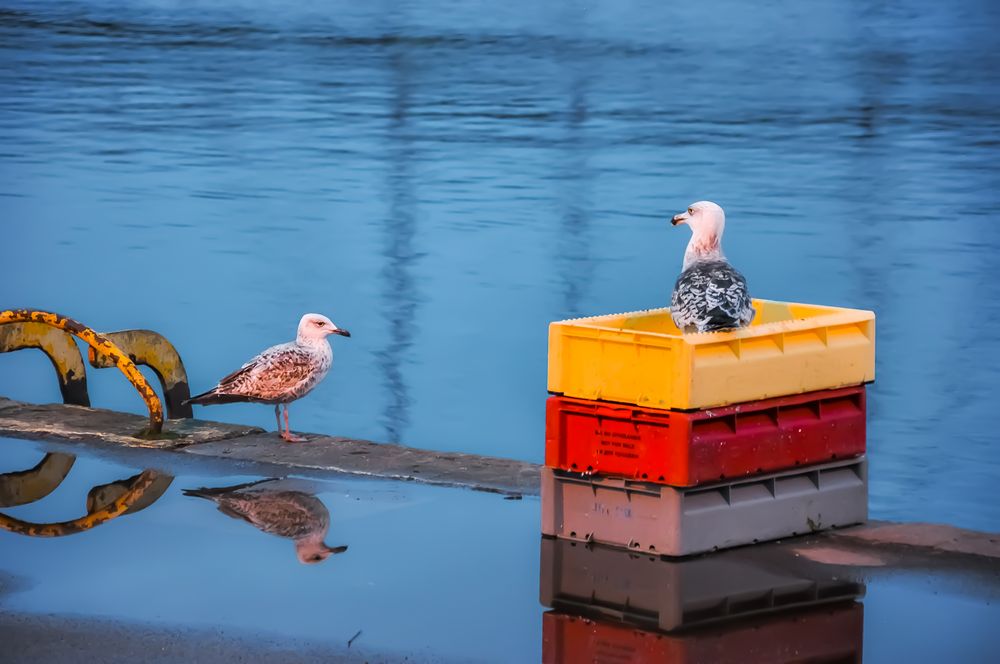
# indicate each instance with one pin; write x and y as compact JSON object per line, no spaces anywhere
{"x":444,"y":178}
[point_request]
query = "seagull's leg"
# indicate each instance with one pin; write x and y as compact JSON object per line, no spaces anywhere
{"x":287,"y":434}
{"x":277,"y":416}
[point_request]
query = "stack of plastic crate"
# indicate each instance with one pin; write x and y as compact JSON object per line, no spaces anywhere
{"x":677,"y":444}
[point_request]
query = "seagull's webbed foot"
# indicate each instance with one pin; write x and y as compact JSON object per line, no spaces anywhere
{"x":290,"y":437}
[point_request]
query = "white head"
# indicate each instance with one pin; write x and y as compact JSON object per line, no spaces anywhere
{"x":311,"y":551}
{"x":315,"y":327}
{"x":707,"y":222}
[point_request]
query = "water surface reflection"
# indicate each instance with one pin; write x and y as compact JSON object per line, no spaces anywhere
{"x":439,"y":574}
{"x":103,"y":502}
{"x":269,"y":507}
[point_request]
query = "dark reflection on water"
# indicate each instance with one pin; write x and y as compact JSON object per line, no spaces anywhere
{"x":400,"y":296}
{"x":448,"y":177}
{"x":747,"y":605}
{"x":277,"y":510}
{"x":104,"y":502}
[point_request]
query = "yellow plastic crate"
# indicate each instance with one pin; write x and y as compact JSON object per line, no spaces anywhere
{"x":642,"y":358}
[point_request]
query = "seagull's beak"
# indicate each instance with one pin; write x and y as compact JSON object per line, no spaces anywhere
{"x":343,"y":333}
{"x":680,"y":218}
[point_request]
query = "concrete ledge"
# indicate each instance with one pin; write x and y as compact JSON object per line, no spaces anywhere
{"x":878,"y":543}
{"x":214,"y":439}
{"x":939,"y":537}
{"x":398,"y":462}
{"x":65,"y":422}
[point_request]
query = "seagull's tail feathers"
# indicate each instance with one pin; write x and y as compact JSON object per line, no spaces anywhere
{"x":213,"y":397}
{"x":214,"y":492}
{"x":201,"y":493}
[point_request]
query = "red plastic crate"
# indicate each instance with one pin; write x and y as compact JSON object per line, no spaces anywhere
{"x":691,"y":448}
{"x":833,"y":634}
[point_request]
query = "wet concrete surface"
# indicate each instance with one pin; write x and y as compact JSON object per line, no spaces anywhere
{"x":319,"y":452}
{"x":67,"y":422}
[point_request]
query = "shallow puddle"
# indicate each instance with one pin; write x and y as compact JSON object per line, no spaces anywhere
{"x":433,"y":574}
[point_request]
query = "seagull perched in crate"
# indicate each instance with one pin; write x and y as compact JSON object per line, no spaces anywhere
{"x":282,"y":373}
{"x":710,"y":295}
{"x":297,"y":515}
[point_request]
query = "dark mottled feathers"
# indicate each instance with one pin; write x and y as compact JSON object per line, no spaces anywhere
{"x":711,"y":296}
{"x":280,"y":374}
{"x":292,"y":514}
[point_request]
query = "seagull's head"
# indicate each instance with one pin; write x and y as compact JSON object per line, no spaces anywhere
{"x":318,"y":326}
{"x":310,"y":552}
{"x":705,"y":218}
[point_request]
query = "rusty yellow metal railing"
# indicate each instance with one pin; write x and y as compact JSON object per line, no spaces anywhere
{"x":102,"y":346}
{"x":153,"y":350}
{"x":61,"y":350}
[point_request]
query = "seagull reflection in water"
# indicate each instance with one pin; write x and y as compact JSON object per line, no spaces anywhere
{"x":296,"y":515}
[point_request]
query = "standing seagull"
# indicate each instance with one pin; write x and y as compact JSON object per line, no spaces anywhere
{"x":282,"y":373}
{"x":297,"y":515}
{"x":710,"y":295}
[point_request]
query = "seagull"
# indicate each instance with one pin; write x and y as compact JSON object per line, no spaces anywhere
{"x":710,"y":295}
{"x":282,"y":373}
{"x":296,"y":515}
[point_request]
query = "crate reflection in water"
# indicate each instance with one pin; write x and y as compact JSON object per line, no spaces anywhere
{"x":745,"y":605}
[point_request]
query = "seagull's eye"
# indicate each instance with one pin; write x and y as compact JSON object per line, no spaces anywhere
{"x":320,"y":323}
{"x":690,"y":210}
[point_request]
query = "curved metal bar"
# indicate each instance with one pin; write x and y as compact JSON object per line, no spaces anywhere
{"x":153,"y":350}
{"x":106,"y":494}
{"x":116,"y":508}
{"x":61,"y":350}
{"x":102,"y":346}
{"x":27,"y":486}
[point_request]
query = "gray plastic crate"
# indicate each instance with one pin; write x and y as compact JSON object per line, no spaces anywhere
{"x":653,"y":593}
{"x":673,"y":521}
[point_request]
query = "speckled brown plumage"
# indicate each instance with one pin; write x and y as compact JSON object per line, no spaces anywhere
{"x":282,"y":373}
{"x":296,"y":515}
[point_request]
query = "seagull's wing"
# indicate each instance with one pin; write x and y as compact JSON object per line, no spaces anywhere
{"x":281,"y":371}
{"x":288,"y":513}
{"x":269,"y":377}
{"x":235,"y":510}
{"x":711,"y":296}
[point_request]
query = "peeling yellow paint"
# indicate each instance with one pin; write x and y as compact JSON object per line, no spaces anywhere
{"x":102,"y":346}
{"x":61,"y":349}
{"x":153,"y":350}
